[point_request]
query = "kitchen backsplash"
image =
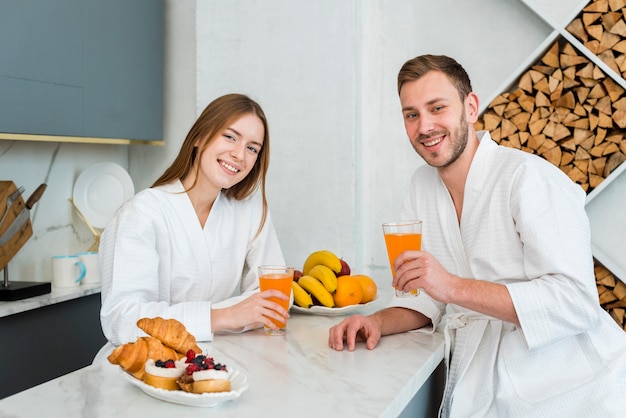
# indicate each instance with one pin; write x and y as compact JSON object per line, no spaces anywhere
{"x":57,"y":229}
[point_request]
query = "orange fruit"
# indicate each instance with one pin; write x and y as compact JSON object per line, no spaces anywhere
{"x":349,"y":291}
{"x":369,"y":287}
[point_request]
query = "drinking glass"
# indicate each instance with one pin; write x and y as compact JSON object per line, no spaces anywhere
{"x":279,"y":278}
{"x":401,"y":236}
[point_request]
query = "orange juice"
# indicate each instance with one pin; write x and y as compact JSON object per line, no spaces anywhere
{"x":281,"y":282}
{"x":397,"y":243}
{"x":399,"y":237}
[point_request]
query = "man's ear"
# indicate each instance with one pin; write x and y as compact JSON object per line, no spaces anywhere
{"x":471,"y":107}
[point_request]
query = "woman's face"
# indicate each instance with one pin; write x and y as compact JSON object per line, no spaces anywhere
{"x":231,"y":155}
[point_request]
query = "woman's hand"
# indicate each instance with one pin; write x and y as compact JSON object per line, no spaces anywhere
{"x":254,"y":312}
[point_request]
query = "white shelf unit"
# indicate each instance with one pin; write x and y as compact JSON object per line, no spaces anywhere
{"x":606,"y":204}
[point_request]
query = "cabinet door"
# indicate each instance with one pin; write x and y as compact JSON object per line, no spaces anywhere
{"x":82,"y":68}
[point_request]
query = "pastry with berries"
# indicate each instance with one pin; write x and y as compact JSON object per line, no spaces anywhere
{"x":163,"y":374}
{"x":202,"y":375}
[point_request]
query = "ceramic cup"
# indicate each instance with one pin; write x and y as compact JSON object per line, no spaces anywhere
{"x":67,"y":271}
{"x":90,"y":260}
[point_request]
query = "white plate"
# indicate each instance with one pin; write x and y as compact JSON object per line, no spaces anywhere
{"x":324,"y":311}
{"x":100,"y":190}
{"x":238,"y":384}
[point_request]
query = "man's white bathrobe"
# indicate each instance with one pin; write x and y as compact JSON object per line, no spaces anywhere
{"x":523,"y":224}
{"x":156,"y":260}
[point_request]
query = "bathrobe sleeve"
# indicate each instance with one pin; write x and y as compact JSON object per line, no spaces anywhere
{"x":559,"y":298}
{"x":156,"y":260}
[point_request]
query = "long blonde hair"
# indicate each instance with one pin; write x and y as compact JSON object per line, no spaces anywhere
{"x":215,"y":118}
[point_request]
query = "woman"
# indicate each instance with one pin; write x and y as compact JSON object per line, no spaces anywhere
{"x":188,"y":247}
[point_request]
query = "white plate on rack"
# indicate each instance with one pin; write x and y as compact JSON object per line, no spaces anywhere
{"x":100,"y":190}
{"x":324,"y":311}
{"x":238,"y":384}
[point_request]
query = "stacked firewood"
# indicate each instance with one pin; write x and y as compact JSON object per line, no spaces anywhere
{"x":565,"y":109}
{"x":601,"y":28}
{"x":612,"y":293}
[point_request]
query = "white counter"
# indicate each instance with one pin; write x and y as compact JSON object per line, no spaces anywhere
{"x":56,"y":296}
{"x":292,"y":376}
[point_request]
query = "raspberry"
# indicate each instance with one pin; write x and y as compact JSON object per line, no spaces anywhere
{"x":190,"y":356}
{"x":192,"y":368}
{"x":169,"y":364}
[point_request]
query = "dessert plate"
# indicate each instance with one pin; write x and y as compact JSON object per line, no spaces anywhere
{"x":324,"y":311}
{"x":100,"y":190}
{"x":238,"y":384}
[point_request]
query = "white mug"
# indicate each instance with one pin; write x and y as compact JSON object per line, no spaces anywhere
{"x":90,"y":260}
{"x":67,"y":271}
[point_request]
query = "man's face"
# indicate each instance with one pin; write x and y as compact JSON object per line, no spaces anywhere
{"x":434,"y":118}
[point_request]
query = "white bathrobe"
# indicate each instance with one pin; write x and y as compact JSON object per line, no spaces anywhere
{"x":523,"y":224}
{"x":156,"y":260}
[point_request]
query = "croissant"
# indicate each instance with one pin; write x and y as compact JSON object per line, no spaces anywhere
{"x":132,"y":357}
{"x":170,"y":332}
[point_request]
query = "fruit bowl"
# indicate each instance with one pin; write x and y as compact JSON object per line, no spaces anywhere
{"x":324,"y":311}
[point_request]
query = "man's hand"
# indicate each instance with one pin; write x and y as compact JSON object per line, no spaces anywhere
{"x":420,"y":269}
{"x":353,"y":329}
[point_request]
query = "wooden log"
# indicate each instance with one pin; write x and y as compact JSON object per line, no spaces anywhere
{"x":614,"y":90}
{"x":577,"y":28}
{"x":613,"y":162}
{"x":521,"y":121}
{"x":599,"y":165}
{"x":601,"y":6}
{"x":551,"y":58}
{"x":619,"y":117}
{"x":507,"y":128}
{"x":491,"y":121}
{"x":609,"y":59}
{"x":619,"y":29}
{"x":620,"y":290}
{"x":566,"y":158}
{"x":590,"y":18}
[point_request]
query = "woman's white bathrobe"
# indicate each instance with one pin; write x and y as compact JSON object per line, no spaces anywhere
{"x":523,"y":224}
{"x":156,"y":260}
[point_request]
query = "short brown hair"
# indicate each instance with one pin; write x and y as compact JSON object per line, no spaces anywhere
{"x":417,"y":67}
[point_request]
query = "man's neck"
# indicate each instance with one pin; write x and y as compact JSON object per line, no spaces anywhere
{"x":455,"y":175}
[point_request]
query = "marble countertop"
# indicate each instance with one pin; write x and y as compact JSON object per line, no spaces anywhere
{"x":292,"y":375}
{"x":56,"y":296}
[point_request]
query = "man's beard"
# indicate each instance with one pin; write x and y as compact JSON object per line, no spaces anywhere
{"x":458,"y":140}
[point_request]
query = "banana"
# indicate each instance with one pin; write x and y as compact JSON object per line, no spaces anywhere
{"x":317,"y":290}
{"x":324,"y":257}
{"x":326,"y":276}
{"x":300,"y":296}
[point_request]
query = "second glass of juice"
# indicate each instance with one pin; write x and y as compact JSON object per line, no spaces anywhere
{"x":279,"y":278}
{"x":401,"y":236}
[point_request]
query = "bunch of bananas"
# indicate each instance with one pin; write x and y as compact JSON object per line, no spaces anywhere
{"x":319,"y":279}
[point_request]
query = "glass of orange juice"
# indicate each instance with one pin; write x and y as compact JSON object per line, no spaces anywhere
{"x":279,"y":278}
{"x":399,"y":237}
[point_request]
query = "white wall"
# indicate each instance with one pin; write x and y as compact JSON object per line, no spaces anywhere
{"x":325,"y":73}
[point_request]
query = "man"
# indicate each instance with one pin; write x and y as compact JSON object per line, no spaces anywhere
{"x":506,"y":250}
